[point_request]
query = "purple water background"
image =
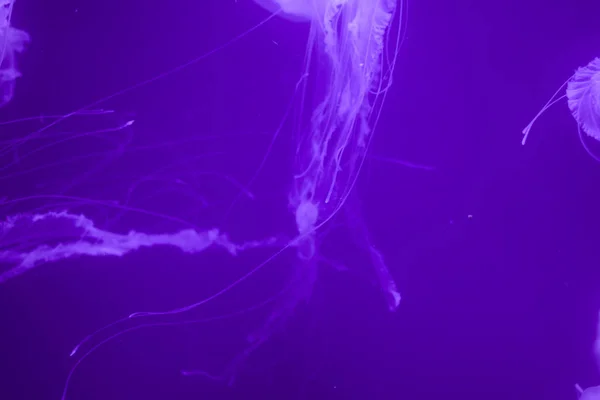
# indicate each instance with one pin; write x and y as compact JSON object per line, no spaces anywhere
{"x":495,"y":252}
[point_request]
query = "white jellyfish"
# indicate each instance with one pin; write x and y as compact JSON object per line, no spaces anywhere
{"x":12,"y":42}
{"x":348,"y":69}
{"x":346,"y":48}
{"x":583,"y":94}
{"x":583,"y":99}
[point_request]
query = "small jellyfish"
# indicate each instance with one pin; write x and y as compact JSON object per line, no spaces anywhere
{"x":583,"y":99}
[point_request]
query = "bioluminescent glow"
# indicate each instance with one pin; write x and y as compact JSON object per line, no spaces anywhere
{"x":350,"y":44}
{"x":12,"y":42}
{"x":583,"y":98}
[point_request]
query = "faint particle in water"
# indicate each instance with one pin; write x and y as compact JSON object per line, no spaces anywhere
{"x":583,"y":98}
{"x":12,"y":42}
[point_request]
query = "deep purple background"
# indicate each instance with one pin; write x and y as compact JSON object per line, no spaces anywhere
{"x":499,"y":306}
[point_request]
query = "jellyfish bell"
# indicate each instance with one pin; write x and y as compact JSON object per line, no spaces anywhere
{"x":583,"y":95}
{"x":294,"y":10}
{"x":583,"y":99}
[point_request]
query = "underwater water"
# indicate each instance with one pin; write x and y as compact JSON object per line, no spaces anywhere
{"x":166,"y":233}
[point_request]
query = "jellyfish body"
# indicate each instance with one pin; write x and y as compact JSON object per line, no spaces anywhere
{"x":333,"y":144}
{"x":583,"y":99}
{"x":345,"y":54}
{"x":345,"y":48}
{"x":583,"y":95}
{"x":12,"y":42}
{"x":295,"y":10}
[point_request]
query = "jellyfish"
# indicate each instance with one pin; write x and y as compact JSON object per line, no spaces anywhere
{"x":12,"y":42}
{"x":347,"y":38}
{"x":583,"y":99}
{"x":583,"y":94}
{"x":348,"y":67}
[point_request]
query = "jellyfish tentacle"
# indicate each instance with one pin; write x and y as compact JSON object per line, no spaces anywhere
{"x":12,"y":42}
